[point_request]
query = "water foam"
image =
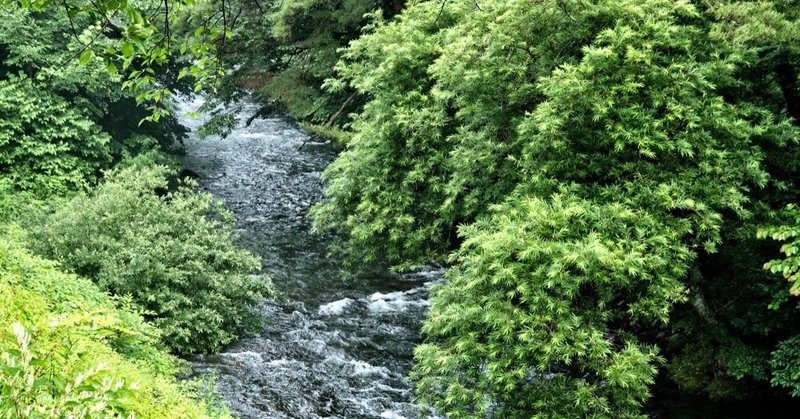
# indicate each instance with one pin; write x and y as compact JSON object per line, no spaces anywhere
{"x":380,"y":303}
{"x":335,"y":308}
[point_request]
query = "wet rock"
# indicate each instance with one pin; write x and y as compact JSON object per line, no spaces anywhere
{"x":186,"y":173}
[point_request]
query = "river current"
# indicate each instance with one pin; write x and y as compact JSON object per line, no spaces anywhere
{"x":328,"y":347}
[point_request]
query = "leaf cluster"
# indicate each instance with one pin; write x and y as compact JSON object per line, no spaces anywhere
{"x":599,"y":169}
{"x":172,"y":254}
{"x":68,"y":350}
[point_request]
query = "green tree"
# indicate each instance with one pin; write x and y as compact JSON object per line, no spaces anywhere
{"x":46,"y":146}
{"x":286,"y":50}
{"x":310,"y":34}
{"x":601,"y":169}
{"x":63,"y":121}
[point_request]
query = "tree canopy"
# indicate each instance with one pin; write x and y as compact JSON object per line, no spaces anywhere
{"x":88,"y":148}
{"x":613,"y":184}
{"x":600,"y":169}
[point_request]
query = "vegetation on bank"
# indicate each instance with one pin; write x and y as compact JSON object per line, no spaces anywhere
{"x":613,"y":183}
{"x":173,"y":255}
{"x":596,"y":173}
{"x":109,"y":264}
{"x":286,"y":52}
{"x":69,"y":350}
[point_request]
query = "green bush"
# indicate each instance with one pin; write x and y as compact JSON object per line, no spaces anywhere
{"x":542,"y":343}
{"x":67,"y":350}
{"x":33,"y":43}
{"x":46,"y":146}
{"x":174,"y":255}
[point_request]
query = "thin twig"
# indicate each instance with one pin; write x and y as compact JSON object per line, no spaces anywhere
{"x":441,"y":9}
{"x":341,"y":108}
{"x":166,"y":24}
{"x":236,"y":18}
{"x":564,"y":9}
{"x":71,"y":23}
{"x":224,"y":27}
{"x":307,"y":140}
{"x":84,"y":48}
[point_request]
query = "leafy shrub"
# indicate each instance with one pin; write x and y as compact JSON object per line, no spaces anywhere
{"x":785,"y":362}
{"x":46,"y":146}
{"x":13,"y":203}
{"x":789,"y":233}
{"x":173,"y":254}
{"x":785,"y":359}
{"x":67,"y":350}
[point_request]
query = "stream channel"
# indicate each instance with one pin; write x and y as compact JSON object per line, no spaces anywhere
{"x":327,"y":348}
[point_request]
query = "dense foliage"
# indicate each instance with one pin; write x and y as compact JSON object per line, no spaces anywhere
{"x":46,"y":145}
{"x":309,"y":34}
{"x":68,"y":350}
{"x":543,"y":344}
{"x":609,"y":180}
{"x":601,"y":168}
{"x":286,"y":50}
{"x":80,"y":86}
{"x":173,"y":255}
{"x":63,"y":121}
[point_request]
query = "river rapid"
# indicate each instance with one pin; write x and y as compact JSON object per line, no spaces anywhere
{"x":328,"y":348}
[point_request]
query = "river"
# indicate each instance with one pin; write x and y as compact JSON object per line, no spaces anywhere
{"x":328,"y":348}
{"x":331,"y":348}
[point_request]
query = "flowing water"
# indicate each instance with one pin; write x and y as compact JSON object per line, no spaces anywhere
{"x":328,"y":348}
